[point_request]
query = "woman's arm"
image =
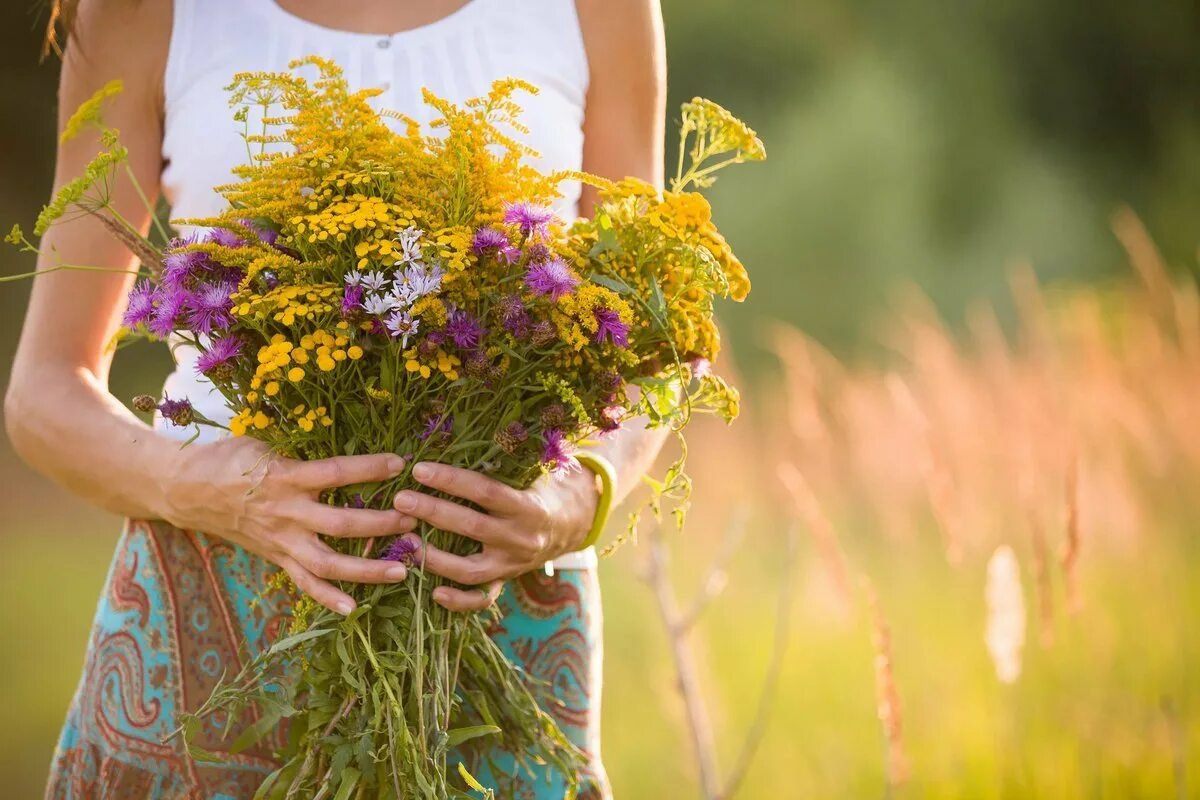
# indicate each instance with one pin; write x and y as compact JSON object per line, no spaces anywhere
{"x":623,"y":136}
{"x":59,"y":413}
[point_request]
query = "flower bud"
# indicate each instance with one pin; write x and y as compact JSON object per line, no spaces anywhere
{"x":144,"y":403}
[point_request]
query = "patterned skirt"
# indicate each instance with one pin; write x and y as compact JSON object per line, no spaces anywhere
{"x":179,"y":609}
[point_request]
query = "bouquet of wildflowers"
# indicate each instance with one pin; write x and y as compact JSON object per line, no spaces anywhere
{"x":371,"y":291}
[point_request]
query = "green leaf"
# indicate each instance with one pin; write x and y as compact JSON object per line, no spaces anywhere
{"x":606,"y":237}
{"x":659,"y":303}
{"x":349,"y":780}
{"x":288,"y":643}
{"x":252,"y":734}
{"x":470,"y":779}
{"x":457,"y":736}
{"x":616,"y":284}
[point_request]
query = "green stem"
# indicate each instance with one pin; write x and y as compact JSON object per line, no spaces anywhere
{"x":137,"y":187}
{"x":76,"y":267}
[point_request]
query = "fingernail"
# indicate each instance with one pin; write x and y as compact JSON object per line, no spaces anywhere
{"x":423,"y":471}
{"x":405,"y":502}
{"x":395,"y":464}
{"x":396,"y":573}
{"x":345,"y":607}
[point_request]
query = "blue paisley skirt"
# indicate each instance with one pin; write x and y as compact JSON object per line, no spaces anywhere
{"x":179,"y":609}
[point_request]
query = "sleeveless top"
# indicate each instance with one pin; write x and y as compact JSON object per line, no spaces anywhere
{"x":456,"y":57}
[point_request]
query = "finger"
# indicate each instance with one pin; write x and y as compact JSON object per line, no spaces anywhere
{"x":325,"y":562}
{"x":469,"y":485}
{"x":344,"y":523}
{"x":467,"y":599}
{"x":448,"y":516}
{"x":323,"y":592}
{"x":471,"y":570}
{"x":345,"y":470}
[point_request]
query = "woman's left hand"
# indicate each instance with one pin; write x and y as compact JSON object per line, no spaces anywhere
{"x":519,"y":530}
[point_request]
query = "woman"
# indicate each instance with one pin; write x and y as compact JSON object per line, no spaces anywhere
{"x":177,"y":609}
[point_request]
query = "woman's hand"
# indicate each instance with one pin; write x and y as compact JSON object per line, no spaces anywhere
{"x":519,"y":530}
{"x":236,"y":488}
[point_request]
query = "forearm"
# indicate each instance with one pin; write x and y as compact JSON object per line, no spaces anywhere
{"x":66,"y":425}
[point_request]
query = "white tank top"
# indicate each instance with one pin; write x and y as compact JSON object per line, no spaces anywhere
{"x":456,"y":57}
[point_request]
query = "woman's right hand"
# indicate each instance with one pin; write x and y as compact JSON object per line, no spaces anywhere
{"x":236,"y":488}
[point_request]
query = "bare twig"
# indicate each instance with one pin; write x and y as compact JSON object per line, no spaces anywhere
{"x":703,"y":746}
{"x":678,"y":625}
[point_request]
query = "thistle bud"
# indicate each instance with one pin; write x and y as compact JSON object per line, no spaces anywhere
{"x":144,"y":403}
{"x":511,"y":437}
{"x":554,"y":416}
{"x":179,"y":412}
{"x":476,"y":365}
{"x":542,"y":333}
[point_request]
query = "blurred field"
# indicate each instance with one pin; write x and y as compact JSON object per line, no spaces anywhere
{"x":932,"y":398}
{"x":1077,"y":434}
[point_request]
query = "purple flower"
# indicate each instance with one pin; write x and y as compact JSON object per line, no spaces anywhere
{"x":492,"y":239}
{"x":210,"y":306}
{"x":402,"y":550}
{"x":352,"y":301}
{"x":489,"y":239}
{"x":464,"y":329}
{"x":530,"y":219}
{"x":553,"y":278}
{"x":216,"y":359}
{"x":225,"y":238}
{"x":513,"y":315}
{"x":538,"y":253}
{"x":141,"y":305}
{"x":172,"y":303}
{"x":180,"y":265}
{"x":269,"y":279}
{"x":609,"y":324}
{"x":557,"y":452}
{"x":437,"y":424}
{"x":179,"y":412}
{"x":701,"y":367}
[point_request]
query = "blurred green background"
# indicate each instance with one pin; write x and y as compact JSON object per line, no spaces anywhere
{"x":922,"y":142}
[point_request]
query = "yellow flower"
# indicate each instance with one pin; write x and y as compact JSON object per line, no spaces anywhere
{"x":295,"y":375}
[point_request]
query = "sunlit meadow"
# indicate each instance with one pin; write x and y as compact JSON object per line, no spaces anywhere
{"x":1071,"y":438}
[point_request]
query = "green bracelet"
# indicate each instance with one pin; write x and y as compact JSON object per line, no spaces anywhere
{"x":603,"y":469}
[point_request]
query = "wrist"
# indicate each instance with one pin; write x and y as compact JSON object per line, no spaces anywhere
{"x":601,"y":476}
{"x":167,"y":481}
